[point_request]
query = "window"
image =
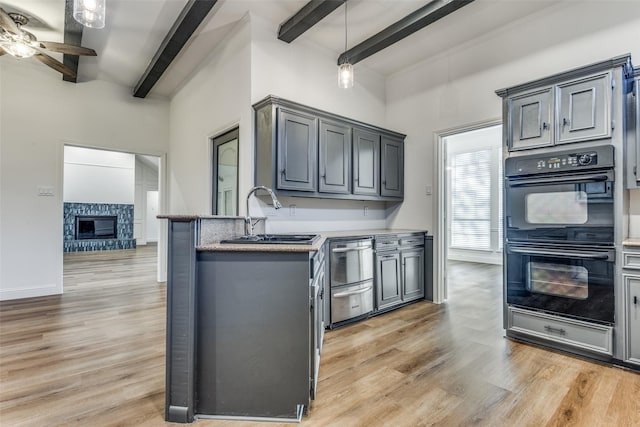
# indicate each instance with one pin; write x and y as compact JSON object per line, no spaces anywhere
{"x":474,"y":181}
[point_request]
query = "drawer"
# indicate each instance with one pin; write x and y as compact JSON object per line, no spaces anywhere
{"x":631,"y":259}
{"x":586,"y":336}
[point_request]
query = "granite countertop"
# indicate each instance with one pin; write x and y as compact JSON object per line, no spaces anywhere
{"x":632,"y":241}
{"x":324,"y":235}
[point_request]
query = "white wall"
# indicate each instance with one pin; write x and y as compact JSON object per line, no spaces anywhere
{"x":40,"y":113}
{"x":98,"y":176}
{"x":458,"y":87}
{"x":145,"y":227}
{"x":215,"y":100}
{"x":634,"y":214}
{"x":308,"y":74}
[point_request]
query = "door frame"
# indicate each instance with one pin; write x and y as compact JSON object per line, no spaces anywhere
{"x":440,"y":290}
{"x":163,"y":235}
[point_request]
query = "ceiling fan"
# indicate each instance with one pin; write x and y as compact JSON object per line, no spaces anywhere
{"x":20,"y":43}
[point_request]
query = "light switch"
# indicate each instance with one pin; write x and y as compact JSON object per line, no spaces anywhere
{"x":428,"y":190}
{"x":292,"y":210}
{"x":45,"y":191}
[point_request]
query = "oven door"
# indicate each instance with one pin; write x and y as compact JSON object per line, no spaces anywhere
{"x":570,"y":208}
{"x":568,"y":281}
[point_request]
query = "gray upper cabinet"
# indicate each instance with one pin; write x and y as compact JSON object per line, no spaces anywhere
{"x":305,"y":152}
{"x":334,"y":158}
{"x":583,"y":104}
{"x":297,"y":143}
{"x":632,"y":166}
{"x":366,"y":162}
{"x":392,"y":167}
{"x":531,"y":124}
{"x":584,"y":109}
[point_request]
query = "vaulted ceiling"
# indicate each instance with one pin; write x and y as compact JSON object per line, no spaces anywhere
{"x":135,"y":31}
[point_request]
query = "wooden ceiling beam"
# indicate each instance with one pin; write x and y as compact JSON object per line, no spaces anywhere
{"x":310,"y":14}
{"x":408,"y":25}
{"x":72,"y":35}
{"x":183,"y":28}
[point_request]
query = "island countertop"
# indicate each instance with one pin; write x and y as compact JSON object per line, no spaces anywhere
{"x":324,"y":235}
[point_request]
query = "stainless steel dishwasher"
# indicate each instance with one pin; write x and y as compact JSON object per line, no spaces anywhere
{"x":351,"y":279}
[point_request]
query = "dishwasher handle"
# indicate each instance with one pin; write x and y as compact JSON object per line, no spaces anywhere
{"x":356,"y":292}
{"x":351,"y":248}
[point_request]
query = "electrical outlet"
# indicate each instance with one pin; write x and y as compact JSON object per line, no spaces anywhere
{"x":292,"y":210}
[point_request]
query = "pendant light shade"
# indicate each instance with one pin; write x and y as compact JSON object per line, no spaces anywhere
{"x":345,"y":76}
{"x":90,"y":13}
{"x":345,"y":70}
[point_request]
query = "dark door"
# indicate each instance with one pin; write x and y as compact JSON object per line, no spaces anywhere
{"x":388,"y":279}
{"x":335,"y":158}
{"x":297,"y":142}
{"x":392,"y":167}
{"x":366,"y":162}
{"x":412,"y":274}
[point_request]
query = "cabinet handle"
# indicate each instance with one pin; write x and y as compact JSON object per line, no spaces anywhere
{"x":635,"y":300}
{"x":557,"y":330}
{"x":565,"y":122}
{"x":545,"y":125}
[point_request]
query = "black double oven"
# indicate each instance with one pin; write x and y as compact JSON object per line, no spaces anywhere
{"x":559,"y":228}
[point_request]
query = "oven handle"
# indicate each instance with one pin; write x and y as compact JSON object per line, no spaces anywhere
{"x":556,"y":180}
{"x":352,"y":248}
{"x":549,"y":252}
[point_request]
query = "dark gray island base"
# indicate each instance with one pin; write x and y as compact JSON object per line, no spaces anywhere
{"x":245,"y":322}
{"x":240,"y":330}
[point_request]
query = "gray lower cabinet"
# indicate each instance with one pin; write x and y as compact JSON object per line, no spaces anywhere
{"x":334,"y":158}
{"x":366,"y":162}
{"x":632,"y":299}
{"x":297,"y":144}
{"x":400,"y":269}
{"x":412,"y":274}
{"x":388,"y":280}
{"x":392,"y":167}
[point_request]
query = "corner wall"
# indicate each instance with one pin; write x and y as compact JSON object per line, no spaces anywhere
{"x":40,"y":113}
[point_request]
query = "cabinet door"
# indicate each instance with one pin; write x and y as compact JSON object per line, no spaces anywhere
{"x":297,"y":142}
{"x":531,"y":120}
{"x":584,"y":109}
{"x":392,"y":167}
{"x":334,"y":158}
{"x":412,"y":274}
{"x":632,"y":296}
{"x":388,"y":280}
{"x":366,"y":162}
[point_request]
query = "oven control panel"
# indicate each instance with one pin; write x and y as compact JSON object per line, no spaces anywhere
{"x":590,"y":158}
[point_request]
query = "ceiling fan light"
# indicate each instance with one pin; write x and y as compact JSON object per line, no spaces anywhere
{"x":345,"y":75}
{"x":19,"y":50}
{"x":90,"y":13}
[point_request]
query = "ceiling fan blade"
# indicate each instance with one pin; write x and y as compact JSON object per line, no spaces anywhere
{"x":55,"y":64}
{"x":7,"y":23}
{"x":67,"y":48}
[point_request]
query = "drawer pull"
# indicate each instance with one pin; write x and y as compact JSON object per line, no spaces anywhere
{"x":556,"y":330}
{"x":635,"y":300}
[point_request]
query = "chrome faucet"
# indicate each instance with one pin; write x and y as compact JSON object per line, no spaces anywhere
{"x":248,"y":224}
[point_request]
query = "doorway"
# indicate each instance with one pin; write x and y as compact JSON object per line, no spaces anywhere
{"x":470,"y":200}
{"x":125,"y":188}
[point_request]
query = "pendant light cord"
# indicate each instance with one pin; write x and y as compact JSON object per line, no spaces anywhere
{"x":345,"y":26}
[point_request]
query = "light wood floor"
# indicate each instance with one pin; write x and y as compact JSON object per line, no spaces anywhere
{"x":95,"y":357}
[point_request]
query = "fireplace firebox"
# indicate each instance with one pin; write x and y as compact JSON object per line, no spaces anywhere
{"x":96,"y":227}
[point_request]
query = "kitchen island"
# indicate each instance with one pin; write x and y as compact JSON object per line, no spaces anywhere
{"x":244,"y":322}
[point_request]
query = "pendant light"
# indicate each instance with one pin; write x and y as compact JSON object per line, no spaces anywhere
{"x":345,"y":70}
{"x":89,"y":13}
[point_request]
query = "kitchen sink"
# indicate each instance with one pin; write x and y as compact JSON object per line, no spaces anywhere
{"x":276,"y":239}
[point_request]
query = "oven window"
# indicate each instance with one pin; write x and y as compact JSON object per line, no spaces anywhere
{"x":563,"y":207}
{"x":569,"y":281}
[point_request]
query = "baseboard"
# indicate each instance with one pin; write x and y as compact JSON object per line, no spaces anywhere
{"x":40,"y":291}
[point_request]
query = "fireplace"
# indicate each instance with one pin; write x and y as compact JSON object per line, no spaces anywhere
{"x":96,"y":227}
